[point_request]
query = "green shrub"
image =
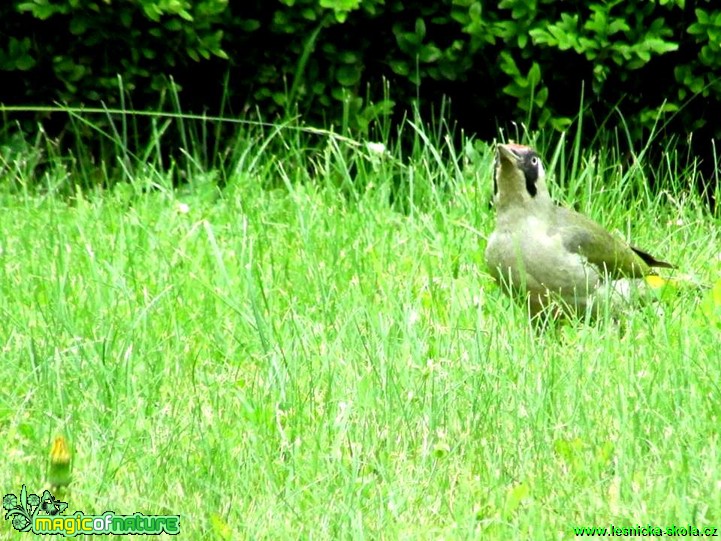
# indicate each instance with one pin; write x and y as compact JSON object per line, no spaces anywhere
{"x":334,"y":60}
{"x":73,"y":51}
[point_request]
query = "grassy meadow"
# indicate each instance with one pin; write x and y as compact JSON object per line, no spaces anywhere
{"x":314,"y":349}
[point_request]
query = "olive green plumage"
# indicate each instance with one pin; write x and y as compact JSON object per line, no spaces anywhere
{"x":550,"y":252}
{"x":590,"y":240}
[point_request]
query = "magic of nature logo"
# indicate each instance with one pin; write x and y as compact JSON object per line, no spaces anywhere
{"x":43,"y":515}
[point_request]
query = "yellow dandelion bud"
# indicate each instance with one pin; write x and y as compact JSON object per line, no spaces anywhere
{"x":60,"y":463}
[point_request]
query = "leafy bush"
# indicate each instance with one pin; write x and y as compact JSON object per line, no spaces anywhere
{"x":73,"y":51}
{"x":514,"y":60}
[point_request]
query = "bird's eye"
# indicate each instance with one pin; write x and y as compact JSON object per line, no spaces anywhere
{"x":534,"y":161}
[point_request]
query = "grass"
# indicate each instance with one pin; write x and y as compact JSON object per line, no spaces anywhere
{"x":316,"y":351}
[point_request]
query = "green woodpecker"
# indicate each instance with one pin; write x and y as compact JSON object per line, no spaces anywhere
{"x":551,"y":254}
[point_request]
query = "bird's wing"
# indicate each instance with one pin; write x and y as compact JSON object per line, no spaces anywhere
{"x":599,"y":247}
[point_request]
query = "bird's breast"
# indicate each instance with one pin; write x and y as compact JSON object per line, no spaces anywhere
{"x":523,"y":251}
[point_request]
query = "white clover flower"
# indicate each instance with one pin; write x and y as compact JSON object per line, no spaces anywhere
{"x":377,"y":148}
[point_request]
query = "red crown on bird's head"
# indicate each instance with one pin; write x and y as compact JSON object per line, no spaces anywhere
{"x":516,"y":146}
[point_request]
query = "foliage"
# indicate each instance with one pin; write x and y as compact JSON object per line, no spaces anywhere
{"x":515,"y":60}
{"x":73,"y":51}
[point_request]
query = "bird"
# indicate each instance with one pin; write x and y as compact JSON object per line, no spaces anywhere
{"x":552,"y":255}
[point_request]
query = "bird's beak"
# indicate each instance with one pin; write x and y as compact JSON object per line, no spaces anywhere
{"x":508,"y":154}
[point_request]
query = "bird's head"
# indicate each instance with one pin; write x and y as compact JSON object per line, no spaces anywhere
{"x":519,"y":177}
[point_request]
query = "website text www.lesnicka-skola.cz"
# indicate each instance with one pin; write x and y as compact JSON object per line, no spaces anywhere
{"x":646,"y":531}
